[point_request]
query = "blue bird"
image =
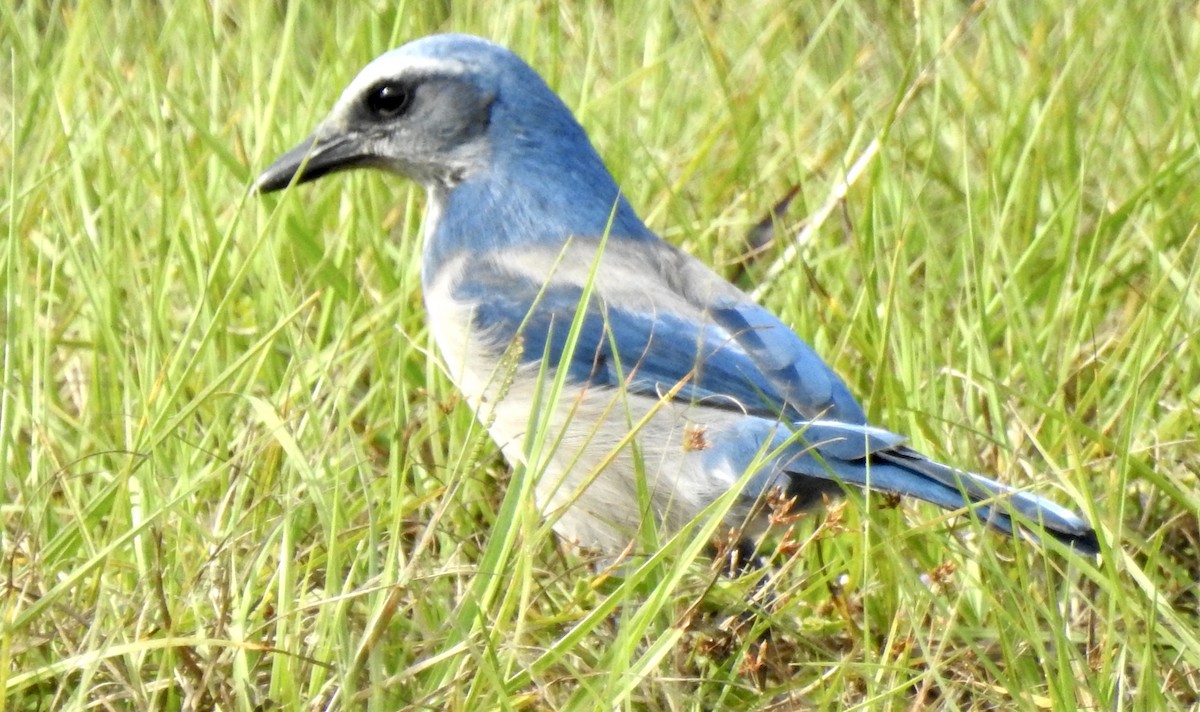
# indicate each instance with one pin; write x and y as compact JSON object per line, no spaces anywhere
{"x":676,"y":386}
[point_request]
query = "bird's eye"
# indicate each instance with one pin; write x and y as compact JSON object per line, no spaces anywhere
{"x":389,"y":100}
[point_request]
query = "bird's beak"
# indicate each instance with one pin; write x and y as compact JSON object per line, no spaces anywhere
{"x":312,"y":158}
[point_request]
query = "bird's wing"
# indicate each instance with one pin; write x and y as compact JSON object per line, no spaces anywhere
{"x":720,"y":351}
{"x":645,"y":353}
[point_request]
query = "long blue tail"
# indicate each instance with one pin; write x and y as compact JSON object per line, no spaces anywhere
{"x":904,"y":471}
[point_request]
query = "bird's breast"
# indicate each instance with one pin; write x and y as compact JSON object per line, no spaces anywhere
{"x":468,"y":360}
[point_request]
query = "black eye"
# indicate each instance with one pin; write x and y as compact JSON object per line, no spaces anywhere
{"x":389,"y":100}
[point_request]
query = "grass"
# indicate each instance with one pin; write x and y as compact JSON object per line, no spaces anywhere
{"x":235,"y":477}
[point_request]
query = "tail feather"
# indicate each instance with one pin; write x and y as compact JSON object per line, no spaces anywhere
{"x":904,"y":471}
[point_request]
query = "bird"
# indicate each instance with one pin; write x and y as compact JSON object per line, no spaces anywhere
{"x":654,"y":386}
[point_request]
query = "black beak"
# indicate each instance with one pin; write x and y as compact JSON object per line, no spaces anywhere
{"x":313,"y":158}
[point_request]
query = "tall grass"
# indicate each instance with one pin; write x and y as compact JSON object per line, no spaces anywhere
{"x":235,"y":476}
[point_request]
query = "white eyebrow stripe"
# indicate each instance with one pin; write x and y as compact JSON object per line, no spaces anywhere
{"x":391,"y":66}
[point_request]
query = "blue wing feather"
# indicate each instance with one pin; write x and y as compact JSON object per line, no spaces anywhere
{"x":645,"y":353}
{"x":788,"y":363}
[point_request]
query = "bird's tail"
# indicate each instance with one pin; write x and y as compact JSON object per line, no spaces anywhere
{"x":903,"y":471}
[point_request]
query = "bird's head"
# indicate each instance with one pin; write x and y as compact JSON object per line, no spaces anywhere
{"x":438,"y":110}
{"x":503,"y":160}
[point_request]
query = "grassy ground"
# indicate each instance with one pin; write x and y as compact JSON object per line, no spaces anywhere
{"x":235,"y":477}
